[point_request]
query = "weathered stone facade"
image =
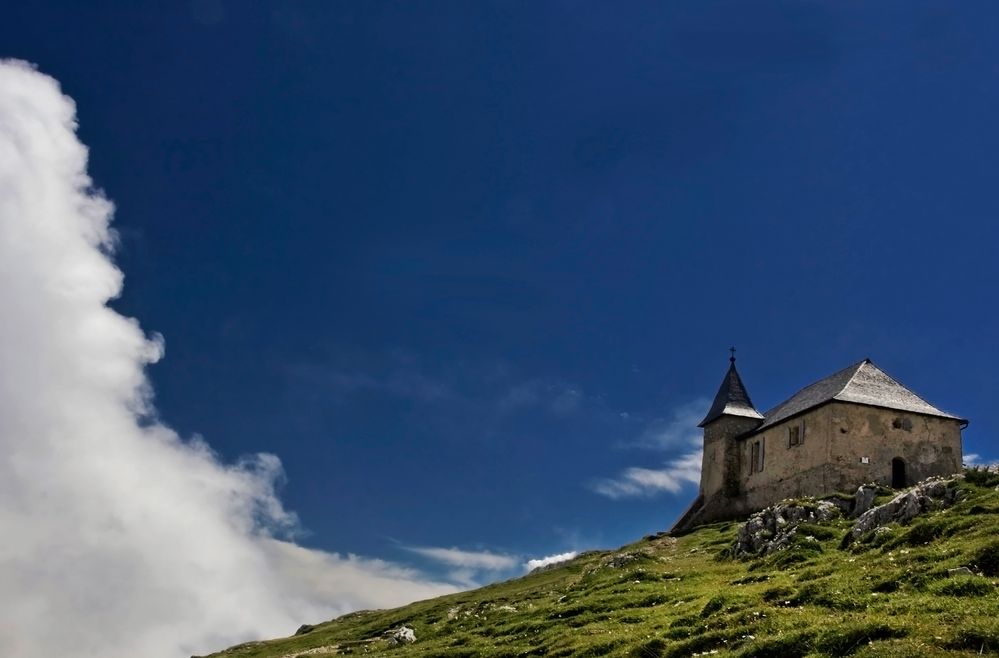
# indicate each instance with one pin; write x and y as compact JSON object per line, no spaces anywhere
{"x":843,"y":445}
{"x":830,"y":437}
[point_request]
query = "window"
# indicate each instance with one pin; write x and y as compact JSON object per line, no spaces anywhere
{"x":756,"y":457}
{"x":795,"y":434}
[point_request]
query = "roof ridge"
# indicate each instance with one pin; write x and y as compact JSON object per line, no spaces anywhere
{"x":897,"y":383}
{"x":856,"y":366}
{"x":821,"y":380}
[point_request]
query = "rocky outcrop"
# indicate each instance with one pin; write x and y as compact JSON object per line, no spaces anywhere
{"x":651,"y":548}
{"x":401,"y":635}
{"x":775,"y":528}
{"x":930,"y":494}
{"x":863,"y":499}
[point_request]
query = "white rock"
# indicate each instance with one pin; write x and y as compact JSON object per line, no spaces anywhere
{"x":402,"y":635}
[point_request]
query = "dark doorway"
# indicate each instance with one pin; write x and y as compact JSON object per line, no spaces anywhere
{"x":897,"y":473}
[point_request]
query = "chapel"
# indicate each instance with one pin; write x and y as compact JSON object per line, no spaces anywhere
{"x":856,"y":426}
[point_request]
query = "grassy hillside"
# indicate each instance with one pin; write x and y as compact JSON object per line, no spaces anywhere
{"x":890,"y":595}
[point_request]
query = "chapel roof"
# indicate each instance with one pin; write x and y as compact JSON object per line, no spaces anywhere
{"x":732,"y":398}
{"x":861,"y":383}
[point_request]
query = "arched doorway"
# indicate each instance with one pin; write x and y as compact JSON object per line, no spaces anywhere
{"x":897,"y":473}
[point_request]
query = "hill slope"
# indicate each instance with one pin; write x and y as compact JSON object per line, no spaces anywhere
{"x":888,"y":594}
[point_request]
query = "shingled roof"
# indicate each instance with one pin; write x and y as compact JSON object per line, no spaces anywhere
{"x":731,"y":399}
{"x":861,"y":383}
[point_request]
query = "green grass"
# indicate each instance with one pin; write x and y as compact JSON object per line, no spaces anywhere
{"x":885,"y":597}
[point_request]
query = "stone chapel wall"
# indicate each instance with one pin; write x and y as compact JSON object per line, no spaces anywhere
{"x":864,"y":440}
{"x":842,"y":445}
{"x":789,"y":471}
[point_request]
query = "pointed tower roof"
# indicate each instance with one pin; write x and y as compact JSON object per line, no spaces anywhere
{"x":732,"y":398}
{"x":861,"y":383}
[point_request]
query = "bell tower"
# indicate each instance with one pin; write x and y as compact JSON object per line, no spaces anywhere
{"x":731,"y":414}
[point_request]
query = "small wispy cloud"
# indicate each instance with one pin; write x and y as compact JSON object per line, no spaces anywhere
{"x":677,"y":430}
{"x":643,"y":482}
{"x":557,"y":397}
{"x":468,"y":569}
{"x":972,"y":459}
{"x":456,"y":557}
{"x":548,"y":560}
{"x":676,"y":433}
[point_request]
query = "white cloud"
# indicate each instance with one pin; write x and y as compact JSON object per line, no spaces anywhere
{"x":677,"y":433}
{"x":638,"y":481}
{"x":537,"y":563}
{"x":679,"y":430}
{"x":455,"y":557}
{"x":120,"y":538}
{"x":467,"y":568}
{"x":972,"y":459}
{"x":348,"y":582}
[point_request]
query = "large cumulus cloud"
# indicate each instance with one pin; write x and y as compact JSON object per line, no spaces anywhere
{"x":117,"y":537}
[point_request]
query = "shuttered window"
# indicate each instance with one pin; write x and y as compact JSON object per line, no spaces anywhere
{"x":756,"y":457}
{"x":796,"y":434}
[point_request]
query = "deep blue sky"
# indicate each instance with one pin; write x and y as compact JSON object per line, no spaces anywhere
{"x":451,"y":261}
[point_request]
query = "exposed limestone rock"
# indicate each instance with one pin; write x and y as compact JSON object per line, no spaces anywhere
{"x":863,"y":500}
{"x":652,"y":547}
{"x":930,"y":494}
{"x":844,"y":505}
{"x":775,"y":527}
{"x":618,"y":560}
{"x":960,"y":571}
{"x":401,"y":635}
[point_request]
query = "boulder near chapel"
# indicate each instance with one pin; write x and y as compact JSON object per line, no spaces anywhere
{"x":856,"y":426}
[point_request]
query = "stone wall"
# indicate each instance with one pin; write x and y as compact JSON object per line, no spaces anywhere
{"x":844,"y":445}
{"x":789,"y":471}
{"x":928,"y":445}
{"x":720,"y":463}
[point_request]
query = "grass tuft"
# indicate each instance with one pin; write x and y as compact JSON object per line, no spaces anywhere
{"x":652,"y":649}
{"x":847,"y":639}
{"x":979,"y":640}
{"x":792,"y":645}
{"x":986,"y":559}
{"x":714,"y":604}
{"x":981,"y":477}
{"x":966,"y":586}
